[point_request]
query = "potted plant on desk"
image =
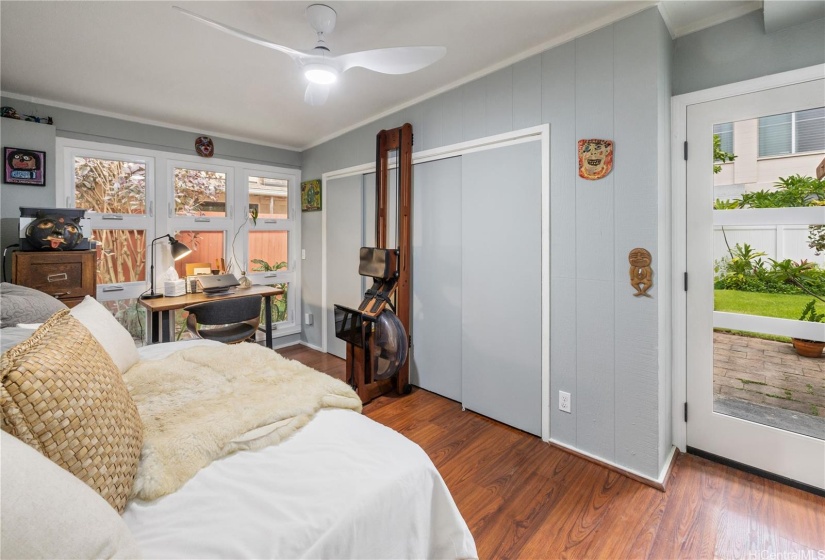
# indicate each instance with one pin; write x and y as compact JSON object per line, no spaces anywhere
{"x":244,"y":279}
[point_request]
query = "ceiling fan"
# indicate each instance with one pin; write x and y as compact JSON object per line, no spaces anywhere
{"x":321,"y":67}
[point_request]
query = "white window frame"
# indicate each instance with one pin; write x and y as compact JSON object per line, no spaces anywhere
{"x":67,"y":151}
{"x":292,"y":225}
{"x":794,"y":151}
{"x":160,"y":194}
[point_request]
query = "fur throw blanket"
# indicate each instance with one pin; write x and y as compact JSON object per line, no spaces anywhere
{"x":203,"y":403}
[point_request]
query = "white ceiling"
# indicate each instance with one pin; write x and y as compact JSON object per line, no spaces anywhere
{"x":146,"y":62}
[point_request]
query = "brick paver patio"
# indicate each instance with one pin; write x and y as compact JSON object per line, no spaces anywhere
{"x":768,"y":373}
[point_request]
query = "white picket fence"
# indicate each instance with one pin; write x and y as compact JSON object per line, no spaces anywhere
{"x":777,"y":241}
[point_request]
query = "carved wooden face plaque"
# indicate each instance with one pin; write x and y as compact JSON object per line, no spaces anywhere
{"x":595,"y":158}
{"x":204,"y":146}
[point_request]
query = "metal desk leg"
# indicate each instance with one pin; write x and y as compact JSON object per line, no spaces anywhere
{"x":166,"y":335}
{"x":268,"y":311}
{"x":154,"y":333}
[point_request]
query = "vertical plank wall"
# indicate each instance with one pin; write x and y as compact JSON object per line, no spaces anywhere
{"x":604,"y":343}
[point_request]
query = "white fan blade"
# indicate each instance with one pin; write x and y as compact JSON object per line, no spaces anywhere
{"x":296,"y":55}
{"x":395,"y":60}
{"x":316,"y":94}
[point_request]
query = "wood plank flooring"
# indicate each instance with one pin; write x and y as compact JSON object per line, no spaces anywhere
{"x":523,"y":498}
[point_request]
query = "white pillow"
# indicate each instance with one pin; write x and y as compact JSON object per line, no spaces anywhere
{"x":115,"y":339}
{"x":49,"y":513}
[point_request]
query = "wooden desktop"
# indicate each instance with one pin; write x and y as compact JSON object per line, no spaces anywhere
{"x":161,"y":326}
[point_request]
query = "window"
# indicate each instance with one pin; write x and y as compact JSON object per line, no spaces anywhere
{"x":272,"y":242}
{"x":725,"y":133}
{"x":122,"y":189}
{"x":792,"y":133}
{"x":199,"y":192}
{"x":117,"y":191}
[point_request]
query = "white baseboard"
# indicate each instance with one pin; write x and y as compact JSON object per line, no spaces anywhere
{"x":308,"y":345}
{"x":660,"y":482}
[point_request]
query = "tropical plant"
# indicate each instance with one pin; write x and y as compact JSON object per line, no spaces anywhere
{"x":719,"y":154}
{"x":810,"y":314}
{"x":279,"y":303}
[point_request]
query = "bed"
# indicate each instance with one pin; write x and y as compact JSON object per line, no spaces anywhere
{"x":343,"y":486}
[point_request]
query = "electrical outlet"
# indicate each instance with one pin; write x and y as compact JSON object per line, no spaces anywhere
{"x":564,"y":401}
{"x":308,"y":318}
{"x":303,"y":254}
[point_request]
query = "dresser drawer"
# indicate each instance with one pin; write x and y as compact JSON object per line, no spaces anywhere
{"x":66,"y":275}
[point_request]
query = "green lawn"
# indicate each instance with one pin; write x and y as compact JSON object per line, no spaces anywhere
{"x":784,"y":306}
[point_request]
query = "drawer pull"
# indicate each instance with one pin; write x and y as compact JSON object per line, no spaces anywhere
{"x":57,"y":277}
{"x":112,"y":289}
{"x":58,"y":295}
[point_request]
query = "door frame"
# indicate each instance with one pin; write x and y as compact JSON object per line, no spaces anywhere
{"x":539,"y":133}
{"x":678,"y":116}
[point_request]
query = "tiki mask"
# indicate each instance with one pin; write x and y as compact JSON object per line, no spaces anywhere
{"x":595,"y":158}
{"x":54,"y":232}
{"x":641,"y":275}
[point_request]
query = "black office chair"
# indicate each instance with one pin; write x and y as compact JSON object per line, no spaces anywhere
{"x":243,"y":313}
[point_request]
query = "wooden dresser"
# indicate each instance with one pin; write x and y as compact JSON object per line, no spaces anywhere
{"x":67,"y":275}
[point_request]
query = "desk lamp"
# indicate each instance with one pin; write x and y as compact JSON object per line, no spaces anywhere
{"x":179,"y":250}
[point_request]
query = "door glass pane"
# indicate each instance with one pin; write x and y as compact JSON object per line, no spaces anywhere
{"x":207,"y":248}
{"x":270,"y":197}
{"x":199,"y":193}
{"x":121,"y":255}
{"x":268,"y":251}
{"x":768,"y":270}
{"x":110,"y":186}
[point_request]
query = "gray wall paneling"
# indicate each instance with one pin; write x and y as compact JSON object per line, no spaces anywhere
{"x":665,"y":52}
{"x":499,"y":101}
{"x":595,"y":247}
{"x":741,"y":50}
{"x":35,"y":136}
{"x":501,"y":319}
{"x":558,"y":100}
{"x":436,"y":278}
{"x":344,"y":219}
{"x":636,"y":206}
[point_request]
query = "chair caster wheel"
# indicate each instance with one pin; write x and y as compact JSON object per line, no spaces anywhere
{"x":407,"y":389}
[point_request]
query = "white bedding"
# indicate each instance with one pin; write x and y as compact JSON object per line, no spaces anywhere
{"x":342,"y":487}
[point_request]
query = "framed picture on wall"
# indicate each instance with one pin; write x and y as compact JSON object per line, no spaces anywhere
{"x":24,"y":167}
{"x":311,"y":195}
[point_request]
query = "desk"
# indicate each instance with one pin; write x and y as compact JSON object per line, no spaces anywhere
{"x":161,"y":328}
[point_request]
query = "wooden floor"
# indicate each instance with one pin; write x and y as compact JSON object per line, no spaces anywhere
{"x":523,"y":498}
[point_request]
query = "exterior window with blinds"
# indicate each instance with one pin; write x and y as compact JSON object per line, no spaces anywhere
{"x":792,"y":133}
{"x":725,"y":133}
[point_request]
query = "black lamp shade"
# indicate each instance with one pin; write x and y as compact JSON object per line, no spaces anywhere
{"x":179,"y":250}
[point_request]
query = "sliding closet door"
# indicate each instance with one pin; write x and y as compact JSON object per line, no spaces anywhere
{"x":501,"y":285}
{"x":436,"y":278}
{"x":343,"y":203}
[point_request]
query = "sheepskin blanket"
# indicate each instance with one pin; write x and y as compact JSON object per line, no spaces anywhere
{"x":203,"y":403}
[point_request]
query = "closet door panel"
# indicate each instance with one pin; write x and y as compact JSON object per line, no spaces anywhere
{"x":501,"y":284}
{"x":436,"y":278}
{"x":343,"y":203}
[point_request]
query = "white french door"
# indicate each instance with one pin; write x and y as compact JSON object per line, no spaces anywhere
{"x":733,"y":366}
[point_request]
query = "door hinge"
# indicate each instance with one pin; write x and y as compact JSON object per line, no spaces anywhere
{"x":686,"y":412}
{"x":686,"y":278}
{"x":685,"y":150}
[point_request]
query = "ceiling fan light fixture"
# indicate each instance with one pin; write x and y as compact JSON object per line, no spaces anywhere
{"x":320,"y":74}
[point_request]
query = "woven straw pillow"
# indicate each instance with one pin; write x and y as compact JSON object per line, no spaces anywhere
{"x":63,"y":395}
